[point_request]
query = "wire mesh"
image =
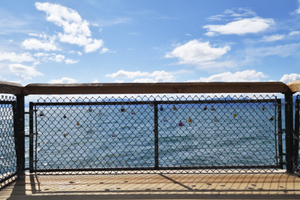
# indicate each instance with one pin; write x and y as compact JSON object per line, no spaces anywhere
{"x":8,"y":164}
{"x":194,"y":133}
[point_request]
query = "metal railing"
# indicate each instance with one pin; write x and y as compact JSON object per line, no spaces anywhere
{"x":8,"y":158}
{"x":185,"y":133}
{"x":156,"y":133}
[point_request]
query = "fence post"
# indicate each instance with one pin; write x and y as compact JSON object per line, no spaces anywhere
{"x":156,"y":133}
{"x":280,"y":133}
{"x":289,"y":139}
{"x":19,"y":124}
{"x":31,"y":137}
{"x":296,"y":148}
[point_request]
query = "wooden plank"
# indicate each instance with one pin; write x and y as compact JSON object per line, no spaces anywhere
{"x":154,"y":88}
{"x":164,"y":186}
{"x":10,"y":88}
{"x":294,"y":86}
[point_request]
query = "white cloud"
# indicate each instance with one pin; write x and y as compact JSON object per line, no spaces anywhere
{"x":156,"y":76}
{"x":57,"y":58}
{"x":290,"y":78}
{"x":53,"y":57}
{"x":240,"y":27}
{"x":79,"y":53}
{"x":63,"y":80}
{"x":197,"y":53}
{"x":70,"y":61}
{"x":144,"y":80}
{"x":13,"y":57}
{"x":162,"y":76}
{"x":119,"y":81}
{"x":294,"y":33}
{"x":215,"y":18}
{"x":127,"y":74}
{"x":93,"y":46}
{"x":240,"y":12}
{"x":240,"y":76}
{"x":76,"y":30}
{"x":298,"y":10}
{"x":41,"y":54}
{"x":233,"y":14}
{"x":37,"y":44}
{"x":23,"y":71}
{"x":106,"y":50}
{"x":36,"y":63}
{"x":33,"y":34}
{"x":272,"y":38}
{"x":95,"y":81}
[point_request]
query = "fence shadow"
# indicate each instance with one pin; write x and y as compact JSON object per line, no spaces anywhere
{"x":157,"y":186}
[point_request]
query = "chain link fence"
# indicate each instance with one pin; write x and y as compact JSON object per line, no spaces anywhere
{"x":147,"y":134}
{"x":8,"y":164}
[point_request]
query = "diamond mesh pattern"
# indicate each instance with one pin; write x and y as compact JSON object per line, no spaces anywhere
{"x":7,"y":142}
{"x":194,"y":132}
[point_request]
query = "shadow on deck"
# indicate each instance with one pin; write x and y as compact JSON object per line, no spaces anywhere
{"x":155,"y":186}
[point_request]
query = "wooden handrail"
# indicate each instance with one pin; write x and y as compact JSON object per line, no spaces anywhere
{"x":294,"y":86}
{"x":146,"y":88}
{"x":10,"y":88}
{"x":153,"y":88}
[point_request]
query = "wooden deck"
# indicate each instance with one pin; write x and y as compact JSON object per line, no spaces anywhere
{"x":155,"y":186}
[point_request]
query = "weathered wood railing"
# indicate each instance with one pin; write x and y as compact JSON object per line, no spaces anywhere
{"x":149,"y":88}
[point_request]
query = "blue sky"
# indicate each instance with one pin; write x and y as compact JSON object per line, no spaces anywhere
{"x":149,"y":41}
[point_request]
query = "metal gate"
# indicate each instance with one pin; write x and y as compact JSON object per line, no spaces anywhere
{"x":146,"y":134}
{"x":8,"y":158}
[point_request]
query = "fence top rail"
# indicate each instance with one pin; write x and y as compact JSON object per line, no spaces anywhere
{"x":149,"y":88}
{"x":10,"y":88}
{"x":152,"y":88}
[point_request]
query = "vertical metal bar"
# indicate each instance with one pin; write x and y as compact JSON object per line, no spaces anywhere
{"x":15,"y":124}
{"x":280,"y":133}
{"x":296,"y":136}
{"x":36,"y":137}
{"x":289,"y":136}
{"x":31,"y":137}
{"x":19,"y":134}
{"x":276,"y":135}
{"x":156,"y":133}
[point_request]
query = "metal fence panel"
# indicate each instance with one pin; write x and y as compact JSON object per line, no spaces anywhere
{"x":8,"y":159}
{"x":156,"y":133}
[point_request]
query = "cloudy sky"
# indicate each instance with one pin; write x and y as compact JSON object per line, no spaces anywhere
{"x":101,"y":41}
